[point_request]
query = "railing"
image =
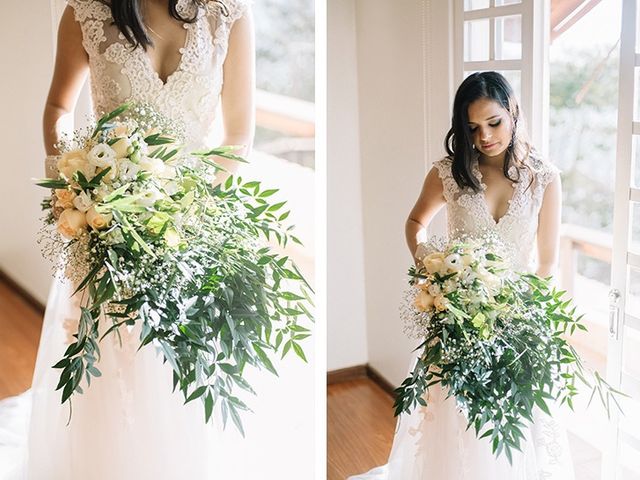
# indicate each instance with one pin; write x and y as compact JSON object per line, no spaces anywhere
{"x":575,"y":239}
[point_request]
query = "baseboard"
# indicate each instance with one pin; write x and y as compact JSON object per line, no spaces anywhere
{"x":26,"y":296}
{"x":382,"y":382}
{"x":346,"y":374}
{"x":357,"y":372}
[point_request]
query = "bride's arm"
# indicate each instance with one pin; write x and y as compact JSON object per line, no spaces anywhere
{"x":238,"y":90}
{"x":70,"y":72}
{"x":430,"y":201}
{"x":548,"y":235}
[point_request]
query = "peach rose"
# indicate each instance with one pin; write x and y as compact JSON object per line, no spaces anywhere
{"x":434,"y":263}
{"x":72,"y":223}
{"x":424,"y":301}
{"x":96,"y":220}
{"x":64,"y":198}
{"x":74,"y":161}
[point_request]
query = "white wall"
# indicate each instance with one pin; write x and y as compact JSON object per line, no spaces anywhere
{"x":26,"y":40}
{"x":346,"y":335}
{"x":403,"y":96}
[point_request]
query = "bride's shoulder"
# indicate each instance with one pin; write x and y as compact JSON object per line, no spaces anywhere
{"x":230,"y":10}
{"x":443,"y":165}
{"x":543,"y":169}
{"x":85,"y":9}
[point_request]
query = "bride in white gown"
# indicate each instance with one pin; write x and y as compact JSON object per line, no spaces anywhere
{"x":491,"y":180}
{"x":128,"y":425}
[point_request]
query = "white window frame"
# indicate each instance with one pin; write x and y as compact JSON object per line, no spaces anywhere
{"x":534,"y":63}
{"x":623,"y":257}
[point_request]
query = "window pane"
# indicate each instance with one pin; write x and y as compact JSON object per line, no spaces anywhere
{"x":476,"y":40}
{"x":636,"y":95}
{"x":635,"y":229}
{"x":509,"y":37}
{"x":635,"y":172}
{"x":499,"y":3}
{"x":514,"y":77}
{"x":475,"y":4}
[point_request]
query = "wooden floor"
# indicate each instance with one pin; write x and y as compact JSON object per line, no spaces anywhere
{"x":20,"y":325}
{"x":360,"y":426}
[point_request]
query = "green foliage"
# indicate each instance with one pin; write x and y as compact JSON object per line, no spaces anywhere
{"x":499,"y":372}
{"x":195,"y":271}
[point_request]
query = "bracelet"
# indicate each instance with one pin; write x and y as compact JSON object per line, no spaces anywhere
{"x":51,"y":166}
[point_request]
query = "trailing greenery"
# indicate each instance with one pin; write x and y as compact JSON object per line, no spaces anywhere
{"x":494,"y":339}
{"x":182,"y":256}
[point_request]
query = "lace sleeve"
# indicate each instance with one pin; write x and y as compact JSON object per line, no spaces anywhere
{"x":229,"y":10}
{"x":449,"y":185}
{"x":544,"y":172}
{"x":91,"y":15}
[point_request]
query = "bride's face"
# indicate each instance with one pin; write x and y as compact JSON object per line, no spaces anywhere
{"x":490,"y":127}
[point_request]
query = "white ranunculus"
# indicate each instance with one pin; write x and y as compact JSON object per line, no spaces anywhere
{"x":83,"y":202}
{"x":101,"y":156}
{"x":72,"y":223}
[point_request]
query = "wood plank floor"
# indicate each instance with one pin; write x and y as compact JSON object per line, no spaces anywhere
{"x":20,"y":325}
{"x":360,"y":426}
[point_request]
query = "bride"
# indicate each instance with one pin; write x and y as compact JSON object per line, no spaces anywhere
{"x":183,"y":57}
{"x":492,"y":179}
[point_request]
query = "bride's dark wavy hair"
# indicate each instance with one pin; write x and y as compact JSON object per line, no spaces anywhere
{"x":459,"y":140}
{"x":128,"y":18}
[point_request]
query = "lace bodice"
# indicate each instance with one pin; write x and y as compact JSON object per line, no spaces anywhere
{"x":190,"y":95}
{"x":467,"y":211}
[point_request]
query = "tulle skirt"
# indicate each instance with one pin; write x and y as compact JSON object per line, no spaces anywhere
{"x":129,"y":425}
{"x":432,"y":443}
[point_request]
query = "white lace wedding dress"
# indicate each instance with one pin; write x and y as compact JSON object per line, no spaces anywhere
{"x":431,"y":443}
{"x":128,"y":425}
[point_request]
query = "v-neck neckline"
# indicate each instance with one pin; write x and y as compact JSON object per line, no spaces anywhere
{"x":483,"y":199}
{"x":182,"y":7}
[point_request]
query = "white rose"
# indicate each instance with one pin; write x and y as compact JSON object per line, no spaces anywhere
{"x":72,"y":223}
{"x":102,"y":155}
{"x":83,"y":202}
{"x":74,"y":161}
{"x":96,"y":220}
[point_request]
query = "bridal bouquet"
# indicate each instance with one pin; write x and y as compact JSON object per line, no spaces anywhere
{"x":148,"y":238}
{"x":493,"y":337}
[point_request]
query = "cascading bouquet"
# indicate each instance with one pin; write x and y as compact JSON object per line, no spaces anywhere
{"x":148,"y":238}
{"x":493,"y":337}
